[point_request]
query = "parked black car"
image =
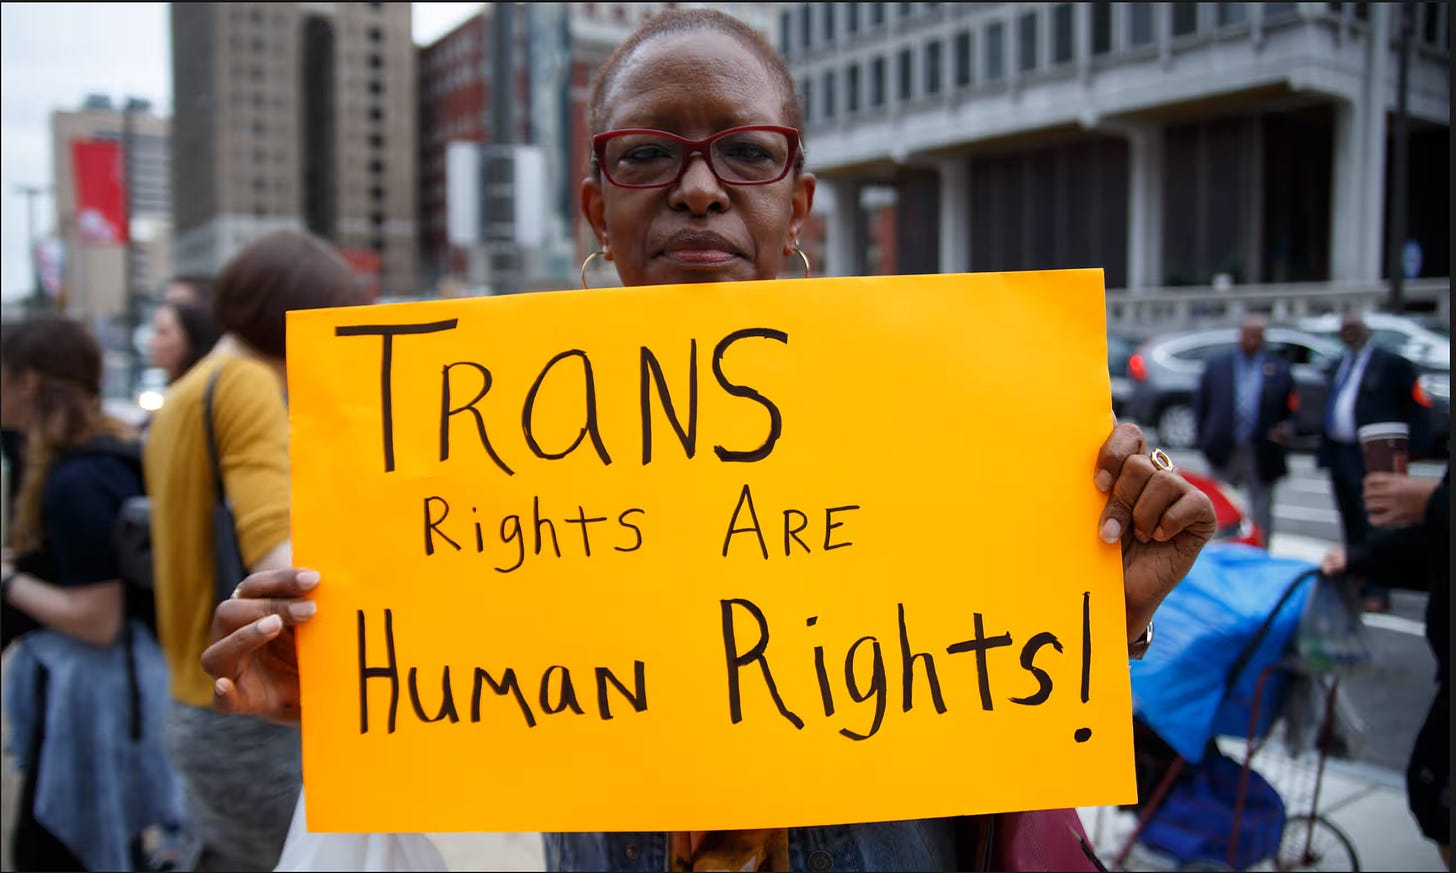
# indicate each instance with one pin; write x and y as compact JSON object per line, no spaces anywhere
{"x":1166,"y":368}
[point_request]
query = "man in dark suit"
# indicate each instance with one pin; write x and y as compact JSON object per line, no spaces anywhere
{"x":1244,"y":408}
{"x":1367,"y":385}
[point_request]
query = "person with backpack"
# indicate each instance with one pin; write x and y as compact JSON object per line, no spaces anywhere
{"x":85,"y":691}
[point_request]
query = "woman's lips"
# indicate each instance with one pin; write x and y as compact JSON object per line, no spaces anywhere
{"x":699,"y":249}
{"x":704,"y":257}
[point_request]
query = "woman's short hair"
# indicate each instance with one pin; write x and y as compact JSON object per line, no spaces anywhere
{"x":275,"y":273}
{"x":680,"y":21}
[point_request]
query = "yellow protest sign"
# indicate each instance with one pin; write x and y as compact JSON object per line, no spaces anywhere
{"x":709,"y":556}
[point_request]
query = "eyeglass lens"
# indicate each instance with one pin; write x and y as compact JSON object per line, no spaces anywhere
{"x":748,"y":156}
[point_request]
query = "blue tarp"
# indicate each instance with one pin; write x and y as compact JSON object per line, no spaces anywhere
{"x":1201,"y":629}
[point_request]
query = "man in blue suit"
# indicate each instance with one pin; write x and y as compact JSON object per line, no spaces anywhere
{"x":1244,"y":407}
{"x":1368,"y":384}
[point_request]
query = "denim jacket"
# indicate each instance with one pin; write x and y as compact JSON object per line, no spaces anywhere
{"x":925,"y":844}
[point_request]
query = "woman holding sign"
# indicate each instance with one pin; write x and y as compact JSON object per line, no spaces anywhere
{"x":697,"y":176}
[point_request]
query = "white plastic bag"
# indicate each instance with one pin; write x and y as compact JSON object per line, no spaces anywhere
{"x":399,"y":853}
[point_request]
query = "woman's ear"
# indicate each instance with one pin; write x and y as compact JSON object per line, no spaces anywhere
{"x":801,"y":205}
{"x":593,"y":209}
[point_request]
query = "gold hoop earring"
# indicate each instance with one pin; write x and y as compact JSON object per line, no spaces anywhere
{"x":808,"y":273}
{"x":586,"y":263}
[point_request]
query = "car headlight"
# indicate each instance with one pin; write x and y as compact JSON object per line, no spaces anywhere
{"x":1436,"y":385}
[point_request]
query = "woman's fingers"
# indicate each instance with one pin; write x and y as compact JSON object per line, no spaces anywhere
{"x":1125,"y":441}
{"x":222,"y":658}
{"x":1117,"y":516}
{"x":1149,"y":514}
{"x":287,"y":583}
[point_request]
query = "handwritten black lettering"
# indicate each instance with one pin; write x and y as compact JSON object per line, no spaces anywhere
{"x":386,"y":365}
{"x":776,"y":420}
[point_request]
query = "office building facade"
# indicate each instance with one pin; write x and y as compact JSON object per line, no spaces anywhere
{"x":1172,"y":144}
{"x":298,"y":115}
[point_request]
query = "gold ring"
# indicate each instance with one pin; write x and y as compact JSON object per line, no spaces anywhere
{"x":1161,"y":460}
{"x":237,"y":592}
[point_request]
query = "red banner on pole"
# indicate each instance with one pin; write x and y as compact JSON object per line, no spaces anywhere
{"x":100,"y":191}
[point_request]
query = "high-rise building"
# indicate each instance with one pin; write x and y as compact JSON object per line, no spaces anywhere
{"x":296,"y":115}
{"x":126,"y":149}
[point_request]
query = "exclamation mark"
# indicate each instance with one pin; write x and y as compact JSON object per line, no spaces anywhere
{"x":1084,"y":734}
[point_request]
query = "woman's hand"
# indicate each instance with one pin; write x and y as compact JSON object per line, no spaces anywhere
{"x":1161,"y":519}
{"x":253,"y":656}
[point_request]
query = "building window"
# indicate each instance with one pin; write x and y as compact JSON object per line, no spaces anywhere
{"x":1230,"y":14}
{"x":829,"y":95}
{"x":1280,"y":10}
{"x":375,"y":34}
{"x":1101,"y":28}
{"x":933,"y":54}
{"x":851,"y":88}
{"x":806,"y":29}
{"x":829,"y":22}
{"x":1139,"y":24}
{"x":877,"y":14}
{"x":1063,"y":46}
{"x":906,"y":9}
{"x":807,"y":86}
{"x":905,"y":68}
{"x":877,"y":82}
{"x":851,"y":18}
{"x":786,"y":32}
{"x":1185,"y":18}
{"x":995,"y":51}
{"x":963,"y":65}
{"x":1026,"y":42}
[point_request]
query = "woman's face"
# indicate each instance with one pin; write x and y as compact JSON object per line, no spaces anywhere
{"x":698,"y":229}
{"x":169,"y":344}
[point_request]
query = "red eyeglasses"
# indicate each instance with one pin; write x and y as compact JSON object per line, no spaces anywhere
{"x":756,"y":154}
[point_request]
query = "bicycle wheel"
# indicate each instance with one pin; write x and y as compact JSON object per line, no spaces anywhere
{"x":1328,"y":847}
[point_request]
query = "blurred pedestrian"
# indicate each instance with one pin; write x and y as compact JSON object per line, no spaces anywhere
{"x":242,"y":774}
{"x":1368,"y":384}
{"x":86,"y":687}
{"x":1244,"y":408}
{"x":183,"y":330}
{"x":1410,"y":547}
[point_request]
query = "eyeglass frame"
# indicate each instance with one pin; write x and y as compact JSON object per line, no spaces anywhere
{"x":691,"y":147}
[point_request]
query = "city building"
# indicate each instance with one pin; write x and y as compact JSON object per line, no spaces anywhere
{"x":514,"y":198}
{"x":296,"y":115}
{"x":113,"y":206}
{"x":1171,"y":144}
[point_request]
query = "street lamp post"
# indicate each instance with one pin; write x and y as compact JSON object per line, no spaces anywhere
{"x":30,"y":192}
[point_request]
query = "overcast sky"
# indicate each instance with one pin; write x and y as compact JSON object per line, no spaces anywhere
{"x":53,"y":54}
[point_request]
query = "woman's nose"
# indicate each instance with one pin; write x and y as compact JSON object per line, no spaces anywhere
{"x":698,"y":189}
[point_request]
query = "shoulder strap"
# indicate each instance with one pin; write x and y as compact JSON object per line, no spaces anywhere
{"x":217,"y":485}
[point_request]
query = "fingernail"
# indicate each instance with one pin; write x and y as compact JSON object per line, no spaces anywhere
{"x":302,"y":609}
{"x":1141,"y":537}
{"x":271,"y":624}
{"x":307,"y":579}
{"x":1103,"y":480}
{"x":1111,"y":531}
{"x":220,"y":688}
{"x":1159,"y":534}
